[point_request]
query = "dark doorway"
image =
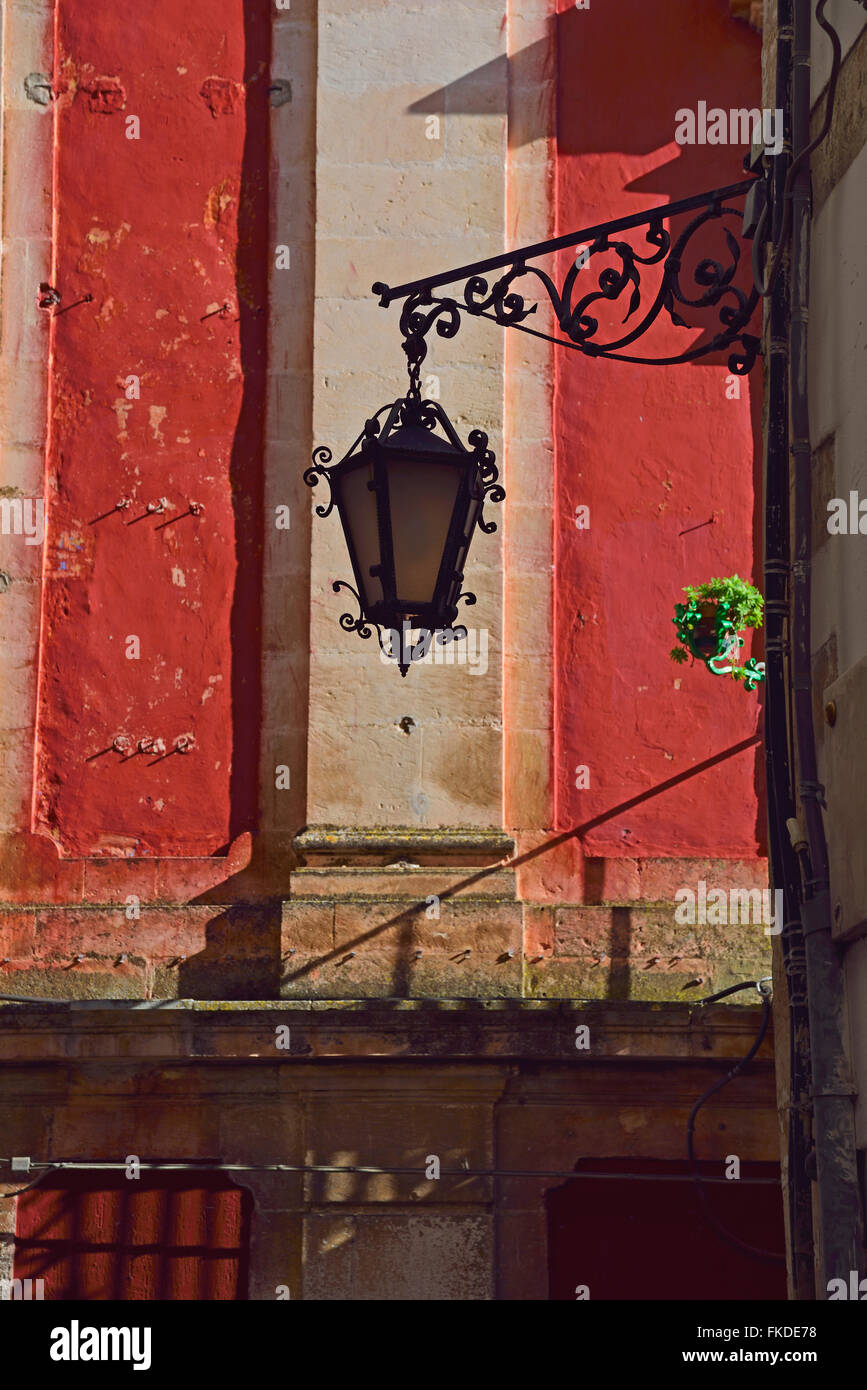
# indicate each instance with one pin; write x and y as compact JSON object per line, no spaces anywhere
{"x":625,"y":1238}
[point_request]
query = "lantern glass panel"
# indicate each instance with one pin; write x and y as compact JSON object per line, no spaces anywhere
{"x":466,"y":532}
{"x":360,"y":519}
{"x":422,"y":496}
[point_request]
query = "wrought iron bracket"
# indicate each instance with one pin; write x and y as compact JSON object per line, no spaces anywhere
{"x":573,"y":301}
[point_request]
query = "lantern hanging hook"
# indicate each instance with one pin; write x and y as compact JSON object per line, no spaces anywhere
{"x":419,"y":314}
{"x":415,"y":348}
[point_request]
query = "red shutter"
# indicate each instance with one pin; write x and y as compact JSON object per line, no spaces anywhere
{"x":164,"y":1236}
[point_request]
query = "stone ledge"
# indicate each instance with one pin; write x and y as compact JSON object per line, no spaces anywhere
{"x":463,"y":844}
{"x":399,"y":883}
{"x":528,"y":1030}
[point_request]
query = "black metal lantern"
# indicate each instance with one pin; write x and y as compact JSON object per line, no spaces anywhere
{"x":409,"y":501}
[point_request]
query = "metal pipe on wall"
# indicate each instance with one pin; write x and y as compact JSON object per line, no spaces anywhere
{"x":778,"y":760}
{"x":839,"y":1207}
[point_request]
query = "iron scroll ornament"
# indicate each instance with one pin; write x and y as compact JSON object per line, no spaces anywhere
{"x":401,"y":440}
{"x":714,"y":285}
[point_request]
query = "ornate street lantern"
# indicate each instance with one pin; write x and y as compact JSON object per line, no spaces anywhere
{"x":409,"y":498}
{"x":409,"y":501}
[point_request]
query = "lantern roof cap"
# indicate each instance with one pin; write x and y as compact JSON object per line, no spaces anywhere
{"x":416,"y":437}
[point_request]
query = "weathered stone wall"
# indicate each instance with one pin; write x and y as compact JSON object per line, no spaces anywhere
{"x":374,"y":169}
{"x":502,"y":1087}
{"x":838,"y":420}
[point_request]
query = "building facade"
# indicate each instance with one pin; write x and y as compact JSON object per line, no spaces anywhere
{"x":269,"y":910}
{"x":815,"y":65}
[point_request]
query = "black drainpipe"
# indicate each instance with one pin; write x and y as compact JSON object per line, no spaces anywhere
{"x":785,"y":870}
{"x":839,"y":1207}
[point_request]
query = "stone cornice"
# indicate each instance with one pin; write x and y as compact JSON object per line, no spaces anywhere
{"x":395,"y":839}
{"x":130,"y":1032}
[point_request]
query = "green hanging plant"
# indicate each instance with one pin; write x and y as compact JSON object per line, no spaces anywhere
{"x":709,"y":623}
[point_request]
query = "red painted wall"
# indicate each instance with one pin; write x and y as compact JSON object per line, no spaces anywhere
{"x":160,"y":230}
{"x":163,"y":1236}
{"x":652,"y":451}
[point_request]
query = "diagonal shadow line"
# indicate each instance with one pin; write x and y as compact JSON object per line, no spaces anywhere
{"x":576,"y":832}
{"x":173,"y":520}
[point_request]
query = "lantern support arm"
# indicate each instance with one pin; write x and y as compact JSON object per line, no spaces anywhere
{"x":711,"y":284}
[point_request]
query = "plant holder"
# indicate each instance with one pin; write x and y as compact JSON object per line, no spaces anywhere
{"x":708,"y":629}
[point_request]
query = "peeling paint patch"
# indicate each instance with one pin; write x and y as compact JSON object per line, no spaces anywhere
{"x":105,"y":95}
{"x":71,"y":404}
{"x":122,"y":407}
{"x":631,"y":1120}
{"x":37,"y":87}
{"x":280,"y":91}
{"x":218,"y":199}
{"x":156,"y":415}
{"x":221,"y":95}
{"x":179,"y":578}
{"x":119,"y":846}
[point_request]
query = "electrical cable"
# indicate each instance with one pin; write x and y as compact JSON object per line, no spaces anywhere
{"x":764,"y":287}
{"x":209,"y":1166}
{"x":27,"y":1186}
{"x":786,"y":867}
{"x":734,"y":989}
{"x":206,"y":1165}
{"x":754,"y":1251}
{"x":838,"y":1243}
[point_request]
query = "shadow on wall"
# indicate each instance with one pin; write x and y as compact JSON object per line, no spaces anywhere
{"x":242,"y":955}
{"x":603,"y":73}
{"x":241,"y":959}
{"x":245,"y":470}
{"x":608,"y":66}
{"x":619,"y":970}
